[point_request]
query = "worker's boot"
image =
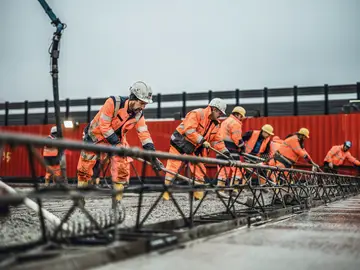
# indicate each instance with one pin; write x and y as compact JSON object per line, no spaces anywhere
{"x":198,"y":195}
{"x":82,"y":184}
{"x":47,"y":182}
{"x":235,"y":191}
{"x":119,"y":188}
{"x":166,"y":195}
{"x":221,"y":183}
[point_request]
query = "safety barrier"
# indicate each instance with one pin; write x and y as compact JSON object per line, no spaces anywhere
{"x":270,"y":192}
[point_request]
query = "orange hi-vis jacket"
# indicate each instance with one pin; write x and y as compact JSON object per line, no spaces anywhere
{"x":292,"y":150}
{"x":337,"y":156}
{"x":51,"y":154}
{"x":231,"y":133}
{"x":196,"y":128}
{"x":251,"y":142}
{"x":275,"y":145}
{"x":113,"y":121}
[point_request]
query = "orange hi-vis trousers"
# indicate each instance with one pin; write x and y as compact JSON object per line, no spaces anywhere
{"x":52,"y":172}
{"x":229,"y":173}
{"x":174,"y":166}
{"x":274,"y":176}
{"x":120,"y":168}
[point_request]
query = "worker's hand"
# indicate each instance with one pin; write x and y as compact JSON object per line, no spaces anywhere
{"x":157,"y":164}
{"x":242,"y":149}
{"x":331,"y":165}
{"x":206,"y":144}
{"x":228,"y":154}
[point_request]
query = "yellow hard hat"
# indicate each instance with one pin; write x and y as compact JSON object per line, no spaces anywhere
{"x":304,"y":131}
{"x":240,"y":110}
{"x":268,"y":129}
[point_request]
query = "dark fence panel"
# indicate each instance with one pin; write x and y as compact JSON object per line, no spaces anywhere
{"x":258,"y":102}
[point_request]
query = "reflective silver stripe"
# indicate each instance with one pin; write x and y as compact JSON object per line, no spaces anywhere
{"x":199,"y":139}
{"x":108,"y":133}
{"x":224,"y":150}
{"x":236,"y":132}
{"x":190,"y":131}
{"x":148,"y":140}
{"x":181,"y":126}
{"x":228,"y":139}
{"x":169,"y":178}
{"x":142,"y":129}
{"x":215,"y":143}
{"x":88,"y":156}
{"x":105,"y":117}
{"x":117,"y":105}
{"x":138,"y":116}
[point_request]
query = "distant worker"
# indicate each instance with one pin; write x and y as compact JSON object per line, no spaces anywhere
{"x":197,"y":132}
{"x":337,"y":156}
{"x":257,"y":142}
{"x":290,"y":151}
{"x":231,"y":134}
{"x":52,"y":159}
{"x":109,"y":126}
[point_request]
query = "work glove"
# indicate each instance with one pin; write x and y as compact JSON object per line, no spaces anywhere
{"x":227,"y":153}
{"x":206,"y":144}
{"x":157,"y":164}
{"x":315,"y":167}
{"x":331,"y":165}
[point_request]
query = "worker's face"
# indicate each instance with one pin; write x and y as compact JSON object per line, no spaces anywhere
{"x":137,"y":106}
{"x":265,"y":134}
{"x":215,"y":113}
{"x":345,"y":148}
{"x":302,"y":137}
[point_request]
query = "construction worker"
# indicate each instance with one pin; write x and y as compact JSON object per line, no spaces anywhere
{"x":196,"y":133}
{"x":337,"y":156}
{"x":231,"y":134}
{"x":109,"y":126}
{"x":52,"y":159}
{"x":257,"y":142}
{"x":290,"y":151}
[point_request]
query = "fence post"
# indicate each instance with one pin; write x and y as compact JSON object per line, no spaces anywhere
{"x":237,"y":97}
{"x":46,"y":116}
{"x":296,"y":112}
{"x":26,"y":112}
{"x":88,"y":109}
{"x":158,"y":114}
{"x":266,"y":110}
{"x":6,"y":113}
{"x":183,"y":104}
{"x":67,"y":108}
{"x":210,"y":95}
{"x":326,"y":100}
{"x":358,"y":90}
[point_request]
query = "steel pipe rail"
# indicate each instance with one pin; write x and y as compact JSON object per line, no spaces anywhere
{"x":14,"y":138}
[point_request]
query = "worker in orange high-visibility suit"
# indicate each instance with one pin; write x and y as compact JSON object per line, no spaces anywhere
{"x":231,"y":134}
{"x":257,"y":142}
{"x":52,"y":158}
{"x":110,"y":125}
{"x":290,"y":151}
{"x":198,"y":131}
{"x":337,"y":156}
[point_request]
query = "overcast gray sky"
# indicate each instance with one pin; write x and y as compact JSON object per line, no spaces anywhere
{"x":178,"y":45}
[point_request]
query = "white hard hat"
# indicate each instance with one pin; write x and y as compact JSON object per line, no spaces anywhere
{"x":53,"y":130}
{"x":219,"y":104}
{"x":142,"y":91}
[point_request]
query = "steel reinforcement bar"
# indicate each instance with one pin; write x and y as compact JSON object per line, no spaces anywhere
{"x":264,"y":192}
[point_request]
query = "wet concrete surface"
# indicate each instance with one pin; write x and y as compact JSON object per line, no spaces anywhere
{"x":327,"y":237}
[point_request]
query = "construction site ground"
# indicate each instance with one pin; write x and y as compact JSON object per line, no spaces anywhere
{"x":326,"y":237}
